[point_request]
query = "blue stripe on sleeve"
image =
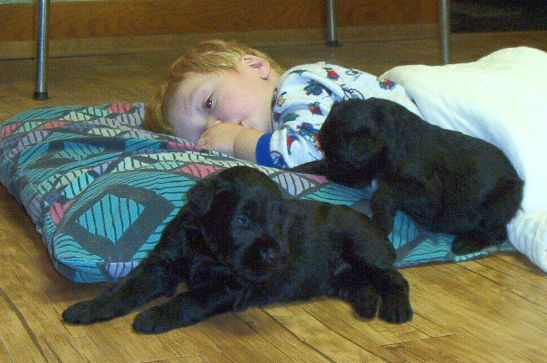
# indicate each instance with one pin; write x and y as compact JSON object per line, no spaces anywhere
{"x":263,"y":156}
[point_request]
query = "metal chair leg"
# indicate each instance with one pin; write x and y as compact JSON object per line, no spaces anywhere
{"x":42,"y":20}
{"x":444,"y":25}
{"x":332,"y":39}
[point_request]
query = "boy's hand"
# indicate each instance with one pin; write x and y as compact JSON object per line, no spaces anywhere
{"x":232,"y":139}
{"x":220,"y":137}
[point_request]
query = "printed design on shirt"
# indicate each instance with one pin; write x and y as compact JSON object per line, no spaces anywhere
{"x":291,"y":116}
{"x":276,"y":118}
{"x":292,"y":136}
{"x":314,"y":108}
{"x":386,"y":83}
{"x":331,"y":73}
{"x":315,"y":88}
{"x":353,"y":73}
{"x":281,"y":99}
{"x":309,"y":131}
{"x":298,"y":71}
{"x":274,"y":98}
{"x":352,"y":93}
{"x":278,"y":160}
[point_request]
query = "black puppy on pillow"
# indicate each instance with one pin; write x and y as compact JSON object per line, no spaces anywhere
{"x":445,"y":180}
{"x":238,"y":243}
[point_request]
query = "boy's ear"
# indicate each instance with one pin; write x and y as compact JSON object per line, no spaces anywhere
{"x":259,"y":64}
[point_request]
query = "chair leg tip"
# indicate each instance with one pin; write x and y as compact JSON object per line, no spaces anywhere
{"x":40,"y":96}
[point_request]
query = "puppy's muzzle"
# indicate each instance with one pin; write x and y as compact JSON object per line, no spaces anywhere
{"x":261,"y":259}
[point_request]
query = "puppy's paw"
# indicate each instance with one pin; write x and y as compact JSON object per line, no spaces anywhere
{"x":395,"y":307}
{"x":87,"y":312}
{"x":365,"y":302}
{"x":159,"y":320}
{"x":151,"y":322}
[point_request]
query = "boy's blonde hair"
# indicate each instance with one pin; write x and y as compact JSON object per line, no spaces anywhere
{"x":207,"y":57}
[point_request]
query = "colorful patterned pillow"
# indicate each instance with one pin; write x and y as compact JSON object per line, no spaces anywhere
{"x":100,"y":189}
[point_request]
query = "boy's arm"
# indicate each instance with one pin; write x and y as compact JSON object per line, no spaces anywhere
{"x":245,"y":144}
{"x":232,"y":139}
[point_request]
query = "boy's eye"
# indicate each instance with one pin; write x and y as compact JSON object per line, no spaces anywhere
{"x":209,"y":103}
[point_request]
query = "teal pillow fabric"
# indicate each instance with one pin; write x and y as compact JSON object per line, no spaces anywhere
{"x":100,"y":189}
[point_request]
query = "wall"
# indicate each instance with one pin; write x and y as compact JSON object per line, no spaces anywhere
{"x":78,"y":26}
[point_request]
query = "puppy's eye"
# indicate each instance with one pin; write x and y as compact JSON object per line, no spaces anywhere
{"x":244,"y":221}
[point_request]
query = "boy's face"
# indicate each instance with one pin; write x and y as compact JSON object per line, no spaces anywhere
{"x":241,"y":97}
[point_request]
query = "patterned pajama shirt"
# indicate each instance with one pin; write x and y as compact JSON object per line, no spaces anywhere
{"x":302,"y":99}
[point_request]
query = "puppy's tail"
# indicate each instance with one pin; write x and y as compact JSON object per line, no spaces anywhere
{"x":503,"y":201}
{"x":508,"y":192}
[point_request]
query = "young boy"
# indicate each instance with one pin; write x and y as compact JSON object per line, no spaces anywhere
{"x":231,"y":98}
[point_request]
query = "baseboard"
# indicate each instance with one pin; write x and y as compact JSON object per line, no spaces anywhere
{"x":89,"y":27}
{"x":154,"y":43}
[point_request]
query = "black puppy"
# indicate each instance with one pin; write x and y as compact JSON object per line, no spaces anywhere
{"x":445,"y":180}
{"x":238,"y":243}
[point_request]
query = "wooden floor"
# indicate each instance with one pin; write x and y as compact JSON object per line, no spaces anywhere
{"x":488,"y":310}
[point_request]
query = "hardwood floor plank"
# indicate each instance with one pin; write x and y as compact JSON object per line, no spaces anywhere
{"x":460,"y":348}
{"x":21,"y":342}
{"x":322,"y":337}
{"x":370,"y":335}
{"x":340,"y":317}
{"x":465,"y":302}
{"x":277,"y":334}
{"x":528,"y":286}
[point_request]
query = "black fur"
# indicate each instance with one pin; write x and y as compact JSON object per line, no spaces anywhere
{"x":239,"y":243}
{"x":445,"y":180}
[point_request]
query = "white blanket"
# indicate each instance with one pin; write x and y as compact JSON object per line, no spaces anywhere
{"x":501,"y":98}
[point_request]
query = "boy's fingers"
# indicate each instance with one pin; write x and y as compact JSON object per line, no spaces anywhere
{"x":213,"y":124}
{"x":201,"y":141}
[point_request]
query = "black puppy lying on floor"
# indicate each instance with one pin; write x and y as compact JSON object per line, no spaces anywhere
{"x":445,"y":180}
{"x":238,"y":243}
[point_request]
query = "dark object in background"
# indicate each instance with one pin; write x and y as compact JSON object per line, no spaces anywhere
{"x":498,"y":15}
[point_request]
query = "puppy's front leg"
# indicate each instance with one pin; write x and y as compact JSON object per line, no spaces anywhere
{"x":384,"y":206}
{"x":394,"y":291}
{"x":371,"y":257}
{"x":185,"y":309}
{"x":362,"y":296}
{"x":156,"y":275}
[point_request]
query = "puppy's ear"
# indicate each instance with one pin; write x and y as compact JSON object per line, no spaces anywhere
{"x":201,"y":195}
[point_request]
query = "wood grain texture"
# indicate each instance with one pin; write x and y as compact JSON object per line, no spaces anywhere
{"x":22,"y":49}
{"x":116,"y":27}
{"x":489,"y":310}
{"x":98,"y":19}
